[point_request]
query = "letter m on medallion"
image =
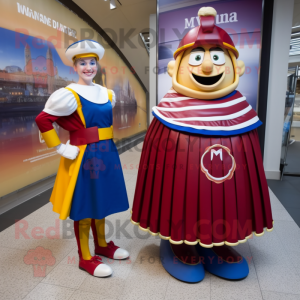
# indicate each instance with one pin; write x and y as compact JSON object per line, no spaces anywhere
{"x":216,"y":152}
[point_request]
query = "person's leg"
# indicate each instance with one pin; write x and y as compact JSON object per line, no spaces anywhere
{"x":82,"y":229}
{"x":87,"y":262}
{"x":98,"y":228}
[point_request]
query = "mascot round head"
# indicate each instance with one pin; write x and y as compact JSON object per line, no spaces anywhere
{"x":206,"y":65}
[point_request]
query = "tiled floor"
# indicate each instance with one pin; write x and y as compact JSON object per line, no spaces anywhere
{"x":274,"y":260}
{"x":288,"y":192}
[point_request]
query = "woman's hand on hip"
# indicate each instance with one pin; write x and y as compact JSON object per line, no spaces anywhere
{"x":67,"y":150}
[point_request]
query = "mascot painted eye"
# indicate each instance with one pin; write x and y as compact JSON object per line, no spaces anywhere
{"x":196,"y":58}
{"x":217,"y":57}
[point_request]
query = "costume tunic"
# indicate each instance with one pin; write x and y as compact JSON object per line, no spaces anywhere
{"x":99,"y":188}
{"x":201,"y":176}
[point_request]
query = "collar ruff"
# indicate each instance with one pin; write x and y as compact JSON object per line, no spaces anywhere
{"x":95,"y":93}
{"x":224,"y":116}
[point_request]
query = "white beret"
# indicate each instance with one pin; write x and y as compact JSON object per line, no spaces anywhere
{"x":84,"y":48}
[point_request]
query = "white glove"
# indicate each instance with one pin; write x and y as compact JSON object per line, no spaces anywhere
{"x":67,"y":150}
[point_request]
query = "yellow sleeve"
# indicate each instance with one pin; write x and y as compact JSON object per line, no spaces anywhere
{"x":51,"y":138}
{"x":109,"y":95}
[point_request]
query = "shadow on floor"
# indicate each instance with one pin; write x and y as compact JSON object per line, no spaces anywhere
{"x":288,"y":193}
{"x":293,"y":159}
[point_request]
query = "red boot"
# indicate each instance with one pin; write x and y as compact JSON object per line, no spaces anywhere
{"x":111,"y":251}
{"x":94,"y":266}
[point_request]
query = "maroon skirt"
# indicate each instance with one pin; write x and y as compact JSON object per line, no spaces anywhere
{"x":193,"y":188}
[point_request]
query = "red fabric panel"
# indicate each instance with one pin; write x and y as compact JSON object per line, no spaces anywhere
{"x":44,"y":121}
{"x":243,"y":189}
{"x":180,"y":182}
{"x":142,"y":173}
{"x":192,"y":189}
{"x":262,"y":177}
{"x":211,"y":112}
{"x":231,"y":122}
{"x":77,"y":235}
{"x":205,"y":200}
{"x":146,"y":220}
{"x":72,"y":122}
{"x":84,"y":136}
{"x":173,"y":196}
{"x":230,"y":209}
{"x":158,"y":180}
{"x":256,"y":193}
{"x":217,"y":196}
{"x":167,"y":194}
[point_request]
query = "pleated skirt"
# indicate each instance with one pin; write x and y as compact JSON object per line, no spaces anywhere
{"x":198,"y":189}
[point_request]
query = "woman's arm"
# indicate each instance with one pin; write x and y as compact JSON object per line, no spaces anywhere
{"x":44,"y":122}
{"x":61,"y":103}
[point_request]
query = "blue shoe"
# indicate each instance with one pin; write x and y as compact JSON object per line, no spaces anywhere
{"x":181,"y":261}
{"x":224,"y":262}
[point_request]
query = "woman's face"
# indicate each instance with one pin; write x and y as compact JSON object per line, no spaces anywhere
{"x":86,"y":68}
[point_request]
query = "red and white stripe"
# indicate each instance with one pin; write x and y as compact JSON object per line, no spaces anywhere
{"x":229,"y":114}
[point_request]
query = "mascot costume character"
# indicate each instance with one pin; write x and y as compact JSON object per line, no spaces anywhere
{"x":88,"y":187}
{"x":201,"y":184}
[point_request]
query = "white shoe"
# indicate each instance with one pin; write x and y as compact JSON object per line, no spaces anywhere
{"x":121,"y":254}
{"x":103,"y":270}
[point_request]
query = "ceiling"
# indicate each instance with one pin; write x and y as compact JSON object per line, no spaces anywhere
{"x":130,"y":14}
{"x":135,"y":14}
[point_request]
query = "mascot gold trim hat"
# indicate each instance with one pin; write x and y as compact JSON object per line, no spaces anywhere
{"x":84,"y":48}
{"x":206,"y":33}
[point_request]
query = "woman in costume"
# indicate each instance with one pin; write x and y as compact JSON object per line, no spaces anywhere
{"x":201,"y":184}
{"x":88,"y":187}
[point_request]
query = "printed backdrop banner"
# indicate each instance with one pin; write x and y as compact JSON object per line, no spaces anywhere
{"x":240,"y":18}
{"x":34,"y":37}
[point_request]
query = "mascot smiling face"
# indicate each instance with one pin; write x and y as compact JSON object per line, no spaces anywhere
{"x":206,"y":65}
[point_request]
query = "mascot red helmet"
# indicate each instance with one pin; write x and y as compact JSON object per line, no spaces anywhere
{"x":206,"y":33}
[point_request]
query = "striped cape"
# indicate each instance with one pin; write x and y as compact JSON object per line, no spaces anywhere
{"x":229,"y":115}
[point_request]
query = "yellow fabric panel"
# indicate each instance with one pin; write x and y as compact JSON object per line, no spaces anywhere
{"x":109,"y":92}
{"x":51,"y":138}
{"x":79,"y":105}
{"x":100,"y":228}
{"x":85,"y":55}
{"x":106,"y":133}
{"x":84,"y":231}
{"x":65,"y":182}
{"x":67,"y":174}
